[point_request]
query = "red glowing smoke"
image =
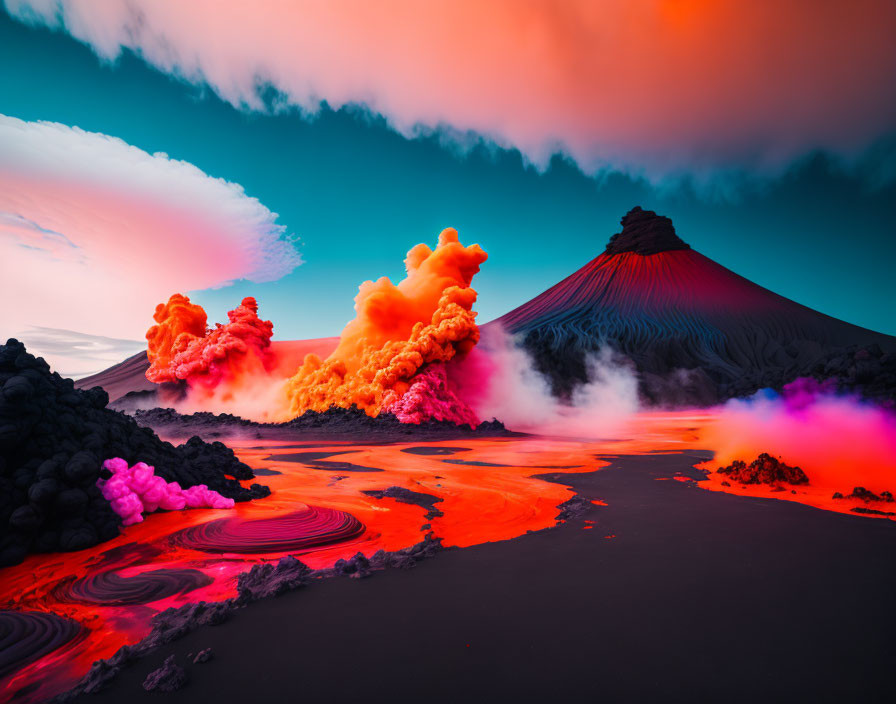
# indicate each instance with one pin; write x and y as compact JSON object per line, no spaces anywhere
{"x":182,"y":348}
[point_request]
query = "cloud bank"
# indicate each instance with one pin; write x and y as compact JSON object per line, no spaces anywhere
{"x":93,"y":229}
{"x":655,"y":87}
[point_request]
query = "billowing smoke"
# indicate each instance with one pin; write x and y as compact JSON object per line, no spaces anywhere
{"x":502,"y":382}
{"x":410,"y":351}
{"x":396,"y":355}
{"x":398,"y":330}
{"x":224,"y":367}
{"x":839,"y":441}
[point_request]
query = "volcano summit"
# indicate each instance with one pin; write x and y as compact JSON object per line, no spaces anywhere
{"x":696,"y":331}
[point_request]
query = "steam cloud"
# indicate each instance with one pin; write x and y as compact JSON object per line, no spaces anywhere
{"x":512,"y":390}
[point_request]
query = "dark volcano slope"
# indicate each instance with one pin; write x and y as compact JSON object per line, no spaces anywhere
{"x":669,"y":308}
{"x":53,"y":440}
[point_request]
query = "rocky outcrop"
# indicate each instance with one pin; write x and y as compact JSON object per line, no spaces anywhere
{"x":53,"y":440}
{"x":765,"y":469}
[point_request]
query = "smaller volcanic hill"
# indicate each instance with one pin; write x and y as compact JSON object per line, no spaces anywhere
{"x":129,"y":376}
{"x":696,"y":331}
{"x":53,"y":440}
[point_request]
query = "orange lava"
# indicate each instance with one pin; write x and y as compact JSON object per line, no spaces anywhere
{"x":479,"y":503}
{"x":494,"y":497}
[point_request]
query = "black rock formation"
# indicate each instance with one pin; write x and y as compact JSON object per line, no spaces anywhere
{"x":335,"y":421}
{"x":53,"y":440}
{"x":170,"y":677}
{"x":765,"y":469}
{"x":406,"y":496}
{"x":645,"y":232}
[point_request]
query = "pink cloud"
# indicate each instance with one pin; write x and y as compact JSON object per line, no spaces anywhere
{"x":654,"y":86}
{"x":95,"y":232}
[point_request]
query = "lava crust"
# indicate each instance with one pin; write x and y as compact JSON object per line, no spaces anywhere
{"x":301,"y":529}
{"x":26,"y":636}
{"x":109,"y":588}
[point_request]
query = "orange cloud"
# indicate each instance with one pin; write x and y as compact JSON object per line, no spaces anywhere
{"x":653,"y":86}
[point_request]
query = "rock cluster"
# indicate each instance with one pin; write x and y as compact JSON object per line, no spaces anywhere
{"x":644,"y":232}
{"x":406,"y":496}
{"x":262,"y":581}
{"x":170,"y":677}
{"x":866,"y":495}
{"x":334,"y":421}
{"x":53,"y":440}
{"x":765,"y":469}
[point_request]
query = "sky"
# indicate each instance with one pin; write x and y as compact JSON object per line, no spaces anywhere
{"x":292,"y":150}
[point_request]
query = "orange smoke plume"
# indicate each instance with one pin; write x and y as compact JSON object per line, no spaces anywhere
{"x":179,"y":323}
{"x":398,"y":329}
{"x":181,"y":347}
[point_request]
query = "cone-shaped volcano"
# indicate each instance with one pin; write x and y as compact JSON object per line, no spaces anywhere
{"x":669,"y":308}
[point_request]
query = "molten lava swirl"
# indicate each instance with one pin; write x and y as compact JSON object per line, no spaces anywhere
{"x":301,"y":529}
{"x":111,"y":589}
{"x":26,"y":636}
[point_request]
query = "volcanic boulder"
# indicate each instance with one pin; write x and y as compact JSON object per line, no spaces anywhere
{"x":765,"y":469}
{"x":53,"y":440}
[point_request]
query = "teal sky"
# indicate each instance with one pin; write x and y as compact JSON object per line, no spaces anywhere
{"x":359,"y":195}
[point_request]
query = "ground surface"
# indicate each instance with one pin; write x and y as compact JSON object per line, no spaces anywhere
{"x":700,"y":596}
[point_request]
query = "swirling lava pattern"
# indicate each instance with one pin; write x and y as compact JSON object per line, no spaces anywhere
{"x":308,"y":527}
{"x":110,"y":588}
{"x":26,"y":636}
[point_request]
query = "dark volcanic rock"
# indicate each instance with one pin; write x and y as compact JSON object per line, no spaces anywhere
{"x":53,"y":440}
{"x":574,"y":507}
{"x":765,"y":469}
{"x":335,"y":421}
{"x":170,"y":677}
{"x":406,"y":496}
{"x":645,"y":232}
{"x":261,"y":581}
{"x":268,"y":579}
{"x":26,"y":636}
{"x":203,"y":656}
{"x":866,"y":495}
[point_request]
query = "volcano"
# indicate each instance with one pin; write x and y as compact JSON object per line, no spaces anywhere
{"x":696,"y":331}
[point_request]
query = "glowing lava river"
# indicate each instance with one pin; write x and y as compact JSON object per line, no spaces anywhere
{"x":329,"y":501}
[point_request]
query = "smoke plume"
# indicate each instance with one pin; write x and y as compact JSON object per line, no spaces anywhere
{"x":426,"y":318}
{"x":219,"y":365}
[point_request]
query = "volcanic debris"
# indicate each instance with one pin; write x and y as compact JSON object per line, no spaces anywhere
{"x":406,"y":496}
{"x":765,"y":469}
{"x":170,"y":677}
{"x":53,"y":440}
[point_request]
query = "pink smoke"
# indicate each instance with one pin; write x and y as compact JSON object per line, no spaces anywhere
{"x":432,"y":396}
{"x":839,"y":441}
{"x":133,"y":491}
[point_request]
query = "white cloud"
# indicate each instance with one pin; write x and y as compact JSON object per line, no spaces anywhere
{"x":95,"y":232}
